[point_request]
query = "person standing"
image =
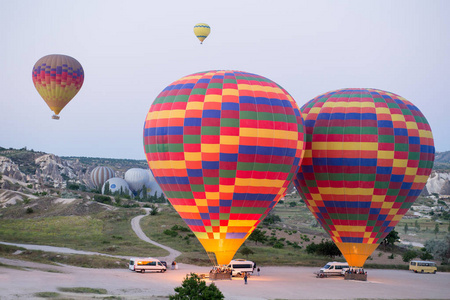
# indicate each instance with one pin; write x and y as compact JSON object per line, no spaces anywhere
{"x":258,"y":270}
{"x":245,"y":277}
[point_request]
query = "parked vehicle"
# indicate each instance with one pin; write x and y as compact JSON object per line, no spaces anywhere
{"x":146,"y":264}
{"x":423,"y":266}
{"x":239,"y":266}
{"x":333,"y":268}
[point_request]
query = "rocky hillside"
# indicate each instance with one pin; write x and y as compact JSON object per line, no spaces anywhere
{"x":39,"y":169}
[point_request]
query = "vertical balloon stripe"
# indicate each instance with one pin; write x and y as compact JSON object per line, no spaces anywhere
{"x":368,"y":155}
{"x":223,"y":146}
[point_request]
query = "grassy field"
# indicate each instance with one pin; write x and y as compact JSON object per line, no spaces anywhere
{"x":105,"y":232}
{"x":86,"y":261}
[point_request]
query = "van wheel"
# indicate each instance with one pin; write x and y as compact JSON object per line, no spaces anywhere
{"x":421,"y":272}
{"x":163,"y":270}
{"x":142,"y":271}
{"x":415,"y":271}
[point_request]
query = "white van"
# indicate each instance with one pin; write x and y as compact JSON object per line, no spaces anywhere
{"x":239,"y":266}
{"x":333,"y":268}
{"x":146,"y":264}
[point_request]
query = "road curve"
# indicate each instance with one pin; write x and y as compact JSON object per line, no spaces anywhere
{"x":134,"y":225}
{"x":138,"y":230}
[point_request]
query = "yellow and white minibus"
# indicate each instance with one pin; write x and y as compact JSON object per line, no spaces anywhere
{"x":419,"y":266}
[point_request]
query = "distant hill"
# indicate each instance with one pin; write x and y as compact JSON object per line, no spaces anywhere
{"x":43,"y":169}
{"x":442,"y":161}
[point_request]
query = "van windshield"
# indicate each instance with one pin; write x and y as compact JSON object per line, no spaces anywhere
{"x":327,"y":267}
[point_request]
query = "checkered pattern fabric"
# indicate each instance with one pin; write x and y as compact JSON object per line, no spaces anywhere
{"x":57,"y":78}
{"x":368,"y":156}
{"x":223,"y":146}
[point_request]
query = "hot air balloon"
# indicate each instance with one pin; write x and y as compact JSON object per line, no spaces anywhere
{"x":136,"y":178}
{"x":223,"y":146}
{"x":100,"y":174}
{"x":368,"y":156}
{"x":201,"y":31}
{"x":152,"y":186}
{"x":57,"y":78}
{"x":117,"y":185}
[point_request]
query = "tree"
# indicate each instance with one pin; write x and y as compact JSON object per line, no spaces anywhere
{"x":144,"y":192}
{"x":439,"y":248}
{"x":258,"y":236}
{"x":436,"y":229}
{"x":391,"y":239}
{"x":328,"y":248}
{"x":406,"y":228}
{"x":409,"y":255}
{"x":193,"y":288}
{"x":153,"y":210}
{"x":425,"y":255}
{"x":417,"y":225}
{"x":107,"y":190}
{"x":246,"y":251}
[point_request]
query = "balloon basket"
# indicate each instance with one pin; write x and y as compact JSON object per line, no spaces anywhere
{"x":55,"y":117}
{"x":353,"y":276}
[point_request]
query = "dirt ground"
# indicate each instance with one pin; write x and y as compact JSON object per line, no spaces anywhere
{"x":274,"y":283}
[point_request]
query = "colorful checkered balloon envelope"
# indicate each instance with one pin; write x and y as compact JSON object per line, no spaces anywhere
{"x":223,"y":146}
{"x":57,"y":78}
{"x":368,"y":156}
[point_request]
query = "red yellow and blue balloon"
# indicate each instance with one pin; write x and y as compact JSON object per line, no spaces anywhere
{"x":57,"y":78}
{"x":223,"y":146}
{"x":368,"y":156}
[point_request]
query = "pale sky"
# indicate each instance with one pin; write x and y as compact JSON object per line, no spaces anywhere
{"x":131,"y":50}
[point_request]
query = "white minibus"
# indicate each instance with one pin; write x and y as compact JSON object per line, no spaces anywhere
{"x":239,"y":266}
{"x":146,"y":264}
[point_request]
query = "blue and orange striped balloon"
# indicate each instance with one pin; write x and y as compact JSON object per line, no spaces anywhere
{"x":368,"y":156}
{"x":223,"y":146}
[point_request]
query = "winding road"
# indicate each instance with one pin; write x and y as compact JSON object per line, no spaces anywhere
{"x":135,"y":225}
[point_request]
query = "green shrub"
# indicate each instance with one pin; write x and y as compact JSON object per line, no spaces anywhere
{"x":171,"y":233}
{"x":409,"y":255}
{"x":193,"y":287}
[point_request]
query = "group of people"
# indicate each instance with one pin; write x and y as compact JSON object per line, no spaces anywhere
{"x":219,"y":269}
{"x":356,"y":271}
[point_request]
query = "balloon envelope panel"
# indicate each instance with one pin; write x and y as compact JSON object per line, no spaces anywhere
{"x":368,"y":156}
{"x":57,"y":78}
{"x":223,"y":146}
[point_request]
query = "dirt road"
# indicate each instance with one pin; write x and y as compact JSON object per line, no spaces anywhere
{"x":138,"y":230}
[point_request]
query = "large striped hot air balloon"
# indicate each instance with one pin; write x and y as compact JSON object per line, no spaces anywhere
{"x":368,"y":156}
{"x":100,"y":174}
{"x":57,"y":78}
{"x":223,"y":146}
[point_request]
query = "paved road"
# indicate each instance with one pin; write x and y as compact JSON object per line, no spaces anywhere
{"x":274,"y":283}
{"x":134,"y":225}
